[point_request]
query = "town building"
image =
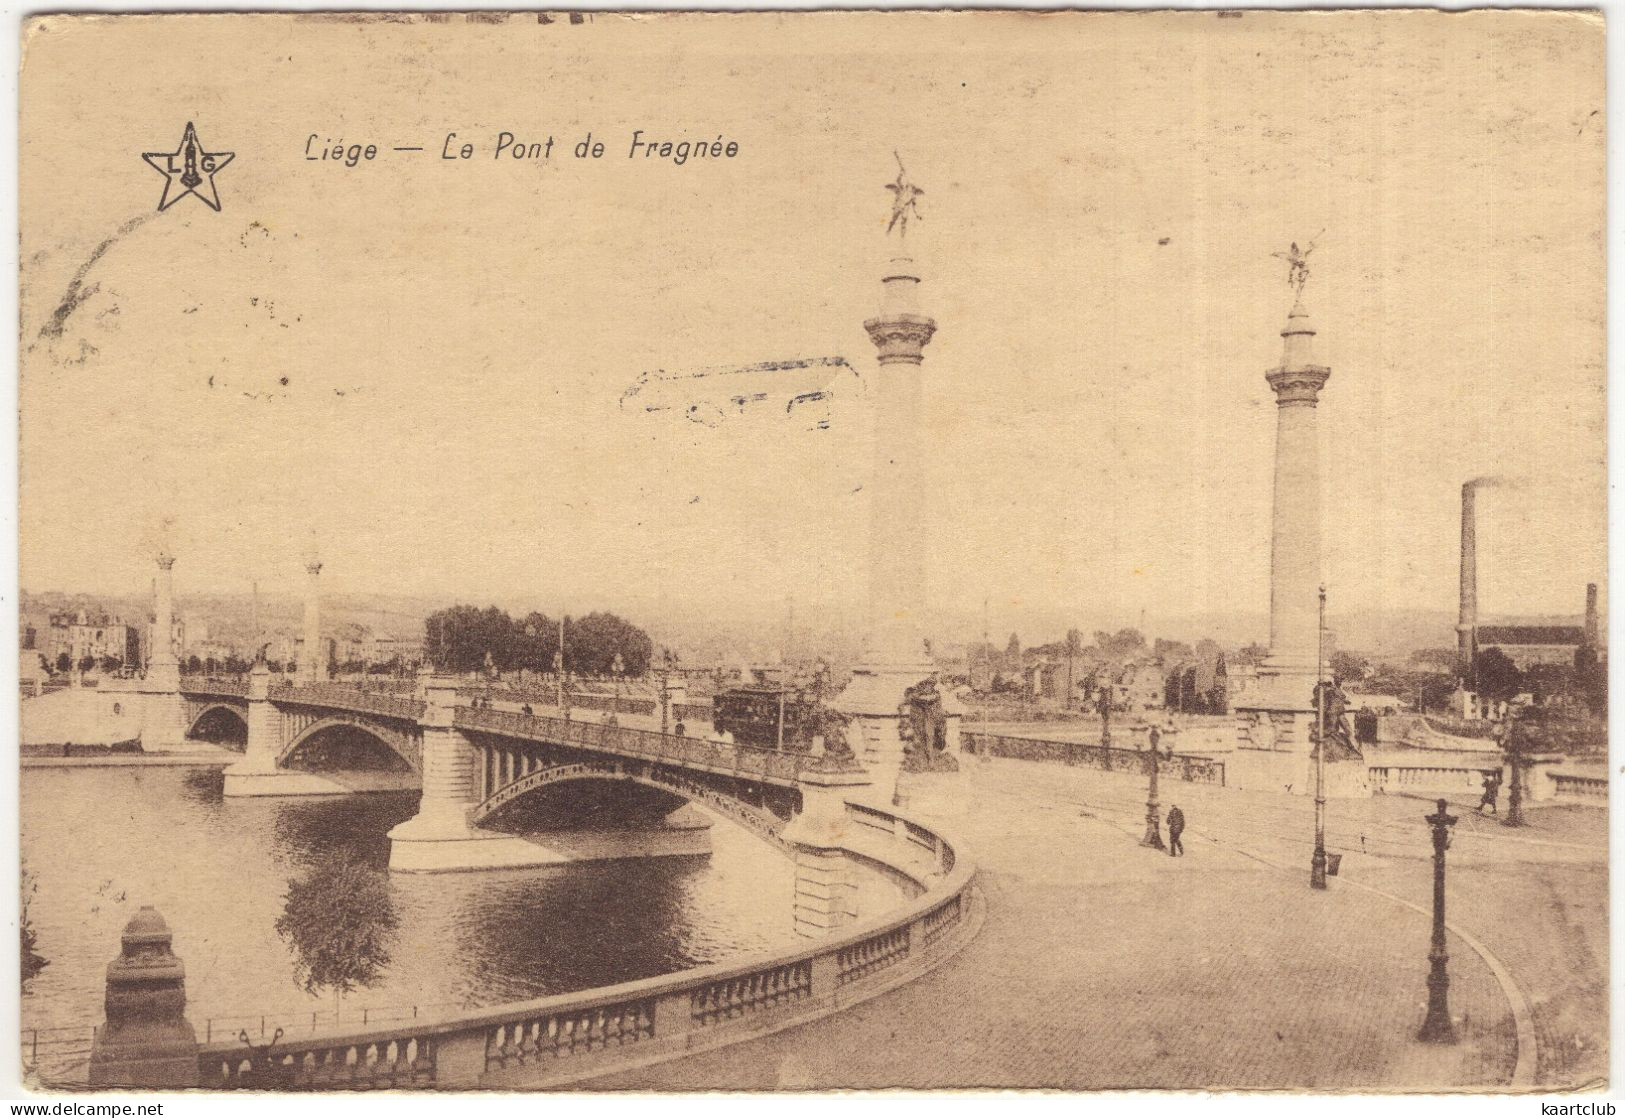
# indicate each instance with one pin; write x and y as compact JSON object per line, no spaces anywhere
{"x":96,"y":636}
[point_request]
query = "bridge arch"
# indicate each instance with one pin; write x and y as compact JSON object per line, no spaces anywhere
{"x":763,"y":824}
{"x":216,"y":714}
{"x":399,"y":743}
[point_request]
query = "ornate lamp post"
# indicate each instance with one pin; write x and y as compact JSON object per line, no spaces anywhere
{"x":668,"y":661}
{"x":1317,"y":864}
{"x":1512,"y":749}
{"x":1153,"y":822}
{"x":1437,"y":1029}
{"x":558,"y":673}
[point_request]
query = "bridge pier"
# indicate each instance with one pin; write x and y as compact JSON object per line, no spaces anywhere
{"x":257,"y":773}
{"x":441,"y":838}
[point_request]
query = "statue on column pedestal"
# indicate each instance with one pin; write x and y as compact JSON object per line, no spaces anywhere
{"x":904,"y":196}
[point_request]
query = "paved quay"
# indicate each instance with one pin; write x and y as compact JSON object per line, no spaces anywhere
{"x":1107,"y":965}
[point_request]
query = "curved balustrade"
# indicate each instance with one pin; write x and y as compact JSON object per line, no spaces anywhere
{"x":559,"y":1040}
{"x":765,"y":765}
{"x":340,"y":697}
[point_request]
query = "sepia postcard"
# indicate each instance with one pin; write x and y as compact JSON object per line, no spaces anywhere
{"x":677,"y":552}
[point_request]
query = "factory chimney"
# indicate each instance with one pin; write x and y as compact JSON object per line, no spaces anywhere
{"x":1593,"y":632}
{"x":1467,"y":618}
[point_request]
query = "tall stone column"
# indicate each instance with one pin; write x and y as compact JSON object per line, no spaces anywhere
{"x":163,"y":726}
{"x":894,"y":657}
{"x":1467,"y":613}
{"x":1295,"y":529}
{"x":313,"y":664}
{"x":162,"y":662}
{"x":1276,"y":715}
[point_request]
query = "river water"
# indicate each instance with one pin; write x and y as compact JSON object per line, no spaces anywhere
{"x":100,"y":842}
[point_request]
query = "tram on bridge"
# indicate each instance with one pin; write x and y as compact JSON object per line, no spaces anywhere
{"x":755,"y":713}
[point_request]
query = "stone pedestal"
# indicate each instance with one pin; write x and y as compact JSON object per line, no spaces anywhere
{"x":146,"y":1040}
{"x":873,"y":702}
{"x":826,"y":893}
{"x":163,"y":714}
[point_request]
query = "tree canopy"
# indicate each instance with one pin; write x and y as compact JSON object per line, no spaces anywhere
{"x":339,"y":920}
{"x":1496,"y":677}
{"x":467,"y":638}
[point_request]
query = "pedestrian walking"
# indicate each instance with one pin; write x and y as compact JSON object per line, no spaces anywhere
{"x":1492,"y":791}
{"x":1176,"y":827}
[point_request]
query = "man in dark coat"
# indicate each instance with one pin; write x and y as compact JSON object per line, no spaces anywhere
{"x":1176,"y":827}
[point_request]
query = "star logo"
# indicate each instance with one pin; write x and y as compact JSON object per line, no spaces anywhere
{"x":188,"y":170}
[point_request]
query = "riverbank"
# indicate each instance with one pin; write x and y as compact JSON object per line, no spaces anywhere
{"x":216,"y":758}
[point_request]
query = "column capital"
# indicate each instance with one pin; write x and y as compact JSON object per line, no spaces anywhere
{"x":901,"y":337}
{"x":1298,"y":386}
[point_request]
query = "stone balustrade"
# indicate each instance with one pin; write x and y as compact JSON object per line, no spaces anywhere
{"x":559,"y":1040}
{"x":1579,"y":786}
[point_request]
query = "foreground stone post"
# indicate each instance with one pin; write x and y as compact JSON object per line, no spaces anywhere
{"x":146,"y":1040}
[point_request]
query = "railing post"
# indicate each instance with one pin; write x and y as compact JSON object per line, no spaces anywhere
{"x":674,"y":1017}
{"x":459,"y":1059}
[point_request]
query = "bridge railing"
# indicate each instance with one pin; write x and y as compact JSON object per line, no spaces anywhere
{"x":564,"y":1039}
{"x":215,"y":685}
{"x":340,"y":697}
{"x":721,"y":757}
{"x":1181,"y":766}
{"x":544,"y":695}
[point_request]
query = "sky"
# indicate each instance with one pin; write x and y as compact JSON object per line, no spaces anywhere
{"x":416,"y":366}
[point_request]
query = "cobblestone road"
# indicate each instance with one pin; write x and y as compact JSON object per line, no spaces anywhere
{"x":1106,"y":965}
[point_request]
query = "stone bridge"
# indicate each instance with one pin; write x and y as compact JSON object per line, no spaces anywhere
{"x":484,"y":771}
